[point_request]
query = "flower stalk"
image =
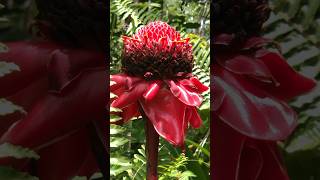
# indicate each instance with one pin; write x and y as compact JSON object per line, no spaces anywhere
{"x":152,"y":144}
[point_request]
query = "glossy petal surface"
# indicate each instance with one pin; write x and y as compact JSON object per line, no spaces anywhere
{"x":251,"y":110}
{"x":57,"y":115}
{"x":167,"y":115}
{"x":186,"y":96}
{"x":286,"y":77}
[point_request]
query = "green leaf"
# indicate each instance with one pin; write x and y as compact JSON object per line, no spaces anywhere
{"x":186,"y":175}
{"x":3,"y":48}
{"x":113,"y":96}
{"x":19,"y":152}
{"x":7,"y":173}
{"x":7,"y":68}
{"x":114,"y":118}
{"x":204,"y":150}
{"x":97,"y":175}
{"x":115,"y":129}
{"x":79,"y":178}
{"x":7,"y":107}
{"x":119,"y":164}
{"x":307,"y":136}
{"x":112,"y":109}
{"x":117,"y":141}
{"x":120,"y":160}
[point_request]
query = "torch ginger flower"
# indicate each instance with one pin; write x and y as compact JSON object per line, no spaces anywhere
{"x":157,"y":80}
{"x":157,"y":83}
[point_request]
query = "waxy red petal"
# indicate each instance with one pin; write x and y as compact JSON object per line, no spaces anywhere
{"x":201,"y":87}
{"x":67,"y":158}
{"x":193,"y":117}
{"x":245,"y":65}
{"x":184,"y":95}
{"x":130,"y":96}
{"x":58,"y":114}
{"x":286,"y":77}
{"x":234,"y":153}
{"x":255,"y":42}
{"x":251,"y":110}
{"x":152,"y":91}
{"x":167,"y":115}
{"x":130,"y":111}
{"x":65,"y":65}
{"x":226,"y":154}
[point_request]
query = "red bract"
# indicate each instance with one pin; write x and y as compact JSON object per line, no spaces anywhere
{"x":63,"y":92}
{"x":157,"y":80}
{"x":170,"y":104}
{"x":250,"y":110}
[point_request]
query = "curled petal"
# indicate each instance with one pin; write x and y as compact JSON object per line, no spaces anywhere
{"x":129,"y":112}
{"x":245,"y":65}
{"x":130,"y":96}
{"x":64,"y":65}
{"x":201,"y":87}
{"x":286,"y":76}
{"x":193,"y":117}
{"x":124,"y":81}
{"x":184,"y":95}
{"x":167,"y":115}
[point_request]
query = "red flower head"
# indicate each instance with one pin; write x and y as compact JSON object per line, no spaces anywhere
{"x":157,"y":64}
{"x":157,"y":51}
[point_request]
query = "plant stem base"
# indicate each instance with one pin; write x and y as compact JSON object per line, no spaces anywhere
{"x":152,"y":144}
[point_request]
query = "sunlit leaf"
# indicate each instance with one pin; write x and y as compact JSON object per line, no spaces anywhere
{"x":7,"y":68}
{"x":9,"y":150}
{"x":7,"y":107}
